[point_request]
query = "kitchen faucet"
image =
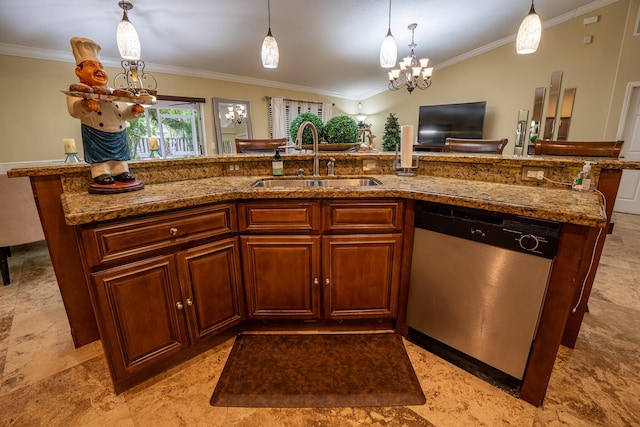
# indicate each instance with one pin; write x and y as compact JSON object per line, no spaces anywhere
{"x":314,"y":131}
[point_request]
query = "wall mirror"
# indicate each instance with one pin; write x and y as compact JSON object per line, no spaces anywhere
{"x":552,"y":105}
{"x":536,"y":117}
{"x":565,"y":113}
{"x":232,"y":120}
{"x":521,"y":132}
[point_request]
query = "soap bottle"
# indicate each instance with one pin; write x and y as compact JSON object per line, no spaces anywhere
{"x":277,"y":166}
{"x":584,"y":180}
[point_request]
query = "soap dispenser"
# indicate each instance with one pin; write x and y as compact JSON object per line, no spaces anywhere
{"x":277,"y":166}
{"x":584,"y":180}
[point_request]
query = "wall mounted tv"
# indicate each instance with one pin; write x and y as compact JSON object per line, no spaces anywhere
{"x":439,"y":122}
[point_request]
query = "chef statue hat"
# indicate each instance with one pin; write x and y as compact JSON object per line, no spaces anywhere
{"x":85,"y":50}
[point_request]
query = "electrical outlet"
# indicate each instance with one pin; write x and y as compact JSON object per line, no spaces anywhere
{"x":531,"y":173}
{"x":369,"y":165}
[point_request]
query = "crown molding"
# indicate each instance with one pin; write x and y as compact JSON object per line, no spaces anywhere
{"x":38,"y":53}
{"x":55,"y":55}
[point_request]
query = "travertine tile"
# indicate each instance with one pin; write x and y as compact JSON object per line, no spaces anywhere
{"x":45,"y":381}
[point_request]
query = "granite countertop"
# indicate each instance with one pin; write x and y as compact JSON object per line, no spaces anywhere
{"x":59,"y":168}
{"x":562,"y":205}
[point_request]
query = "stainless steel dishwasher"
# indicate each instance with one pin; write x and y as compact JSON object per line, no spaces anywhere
{"x":478,"y":283}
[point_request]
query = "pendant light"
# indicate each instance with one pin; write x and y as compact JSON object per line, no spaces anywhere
{"x":270,"y":53}
{"x":389,"y":49}
{"x":127,"y":36}
{"x":529,"y":33}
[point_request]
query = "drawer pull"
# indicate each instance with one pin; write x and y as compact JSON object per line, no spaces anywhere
{"x":173,"y":231}
{"x":327,"y":282}
{"x":179,"y":305}
{"x":189,"y":302}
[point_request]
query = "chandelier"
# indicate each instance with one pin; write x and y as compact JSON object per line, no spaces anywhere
{"x":134,"y":79}
{"x":412,"y":72}
{"x":236,"y":114}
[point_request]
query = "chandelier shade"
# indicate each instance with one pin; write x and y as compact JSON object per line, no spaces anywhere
{"x":413,"y":72}
{"x":389,"y":48}
{"x":127,"y":36}
{"x":529,"y":33}
{"x":270,"y":53}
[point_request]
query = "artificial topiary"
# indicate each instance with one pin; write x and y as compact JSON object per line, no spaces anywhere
{"x":342,"y":130}
{"x":391,"y":137}
{"x":307,"y":134}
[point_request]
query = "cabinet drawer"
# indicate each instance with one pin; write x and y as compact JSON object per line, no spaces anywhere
{"x":288,"y":216}
{"x":114,"y":241}
{"x":363,"y":216}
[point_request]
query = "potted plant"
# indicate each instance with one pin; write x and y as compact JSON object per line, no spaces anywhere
{"x":342,"y":130}
{"x":391,"y":137}
{"x":307,"y":135}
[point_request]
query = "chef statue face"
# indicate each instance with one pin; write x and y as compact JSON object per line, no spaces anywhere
{"x":91,"y":73}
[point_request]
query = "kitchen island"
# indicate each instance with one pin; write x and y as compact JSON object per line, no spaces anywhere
{"x":173,"y":187}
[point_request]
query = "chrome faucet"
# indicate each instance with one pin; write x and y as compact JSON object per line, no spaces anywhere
{"x":314,"y":131}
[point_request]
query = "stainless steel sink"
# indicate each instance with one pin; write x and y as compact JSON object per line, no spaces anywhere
{"x":315,"y":182}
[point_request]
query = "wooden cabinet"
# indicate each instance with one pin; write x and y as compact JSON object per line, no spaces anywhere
{"x":211,"y":288}
{"x":136,"y":310}
{"x":149,"y":311}
{"x":322,"y":269}
{"x":281,"y":276}
{"x":361,"y":276}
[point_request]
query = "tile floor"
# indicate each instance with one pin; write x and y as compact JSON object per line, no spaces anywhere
{"x":46,"y":382}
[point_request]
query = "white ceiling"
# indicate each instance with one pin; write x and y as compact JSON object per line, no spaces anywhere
{"x":326,"y":46}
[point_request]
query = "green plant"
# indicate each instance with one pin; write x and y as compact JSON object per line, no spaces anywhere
{"x":391,"y":137}
{"x":342,"y":130}
{"x":307,"y":134}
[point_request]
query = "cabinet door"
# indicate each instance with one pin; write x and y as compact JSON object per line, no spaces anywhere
{"x":211,"y":285}
{"x":361,"y":276}
{"x":138,"y":310}
{"x":281,"y":275}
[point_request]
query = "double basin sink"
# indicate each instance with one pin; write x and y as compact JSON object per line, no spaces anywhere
{"x":315,"y":182}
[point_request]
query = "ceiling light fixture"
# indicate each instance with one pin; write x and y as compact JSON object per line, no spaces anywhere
{"x":133,"y":79}
{"x":389,"y":49}
{"x":412,"y":73}
{"x":126,"y":35}
{"x":529,"y":33}
{"x":270,"y":53}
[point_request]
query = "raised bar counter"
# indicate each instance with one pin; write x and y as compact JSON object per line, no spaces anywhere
{"x":488,"y":182}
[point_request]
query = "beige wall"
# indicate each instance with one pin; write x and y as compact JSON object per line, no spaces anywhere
{"x":507,"y":81}
{"x":34,"y":120}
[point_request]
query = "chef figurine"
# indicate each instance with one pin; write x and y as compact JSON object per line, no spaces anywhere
{"x":103,"y":122}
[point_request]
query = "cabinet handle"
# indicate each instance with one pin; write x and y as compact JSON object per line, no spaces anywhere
{"x":179,"y":305}
{"x":327,"y":282}
{"x":316,"y":281}
{"x":189,"y":302}
{"x":173,"y":231}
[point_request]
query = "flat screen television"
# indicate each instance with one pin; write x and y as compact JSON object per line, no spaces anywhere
{"x":439,"y":122}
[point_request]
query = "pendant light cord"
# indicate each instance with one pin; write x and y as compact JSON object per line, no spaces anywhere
{"x":269,"y":13}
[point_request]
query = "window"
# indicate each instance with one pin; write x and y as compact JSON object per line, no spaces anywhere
{"x":291,"y":110}
{"x":176,"y":122}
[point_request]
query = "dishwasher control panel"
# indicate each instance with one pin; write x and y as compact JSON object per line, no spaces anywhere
{"x":522,"y":234}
